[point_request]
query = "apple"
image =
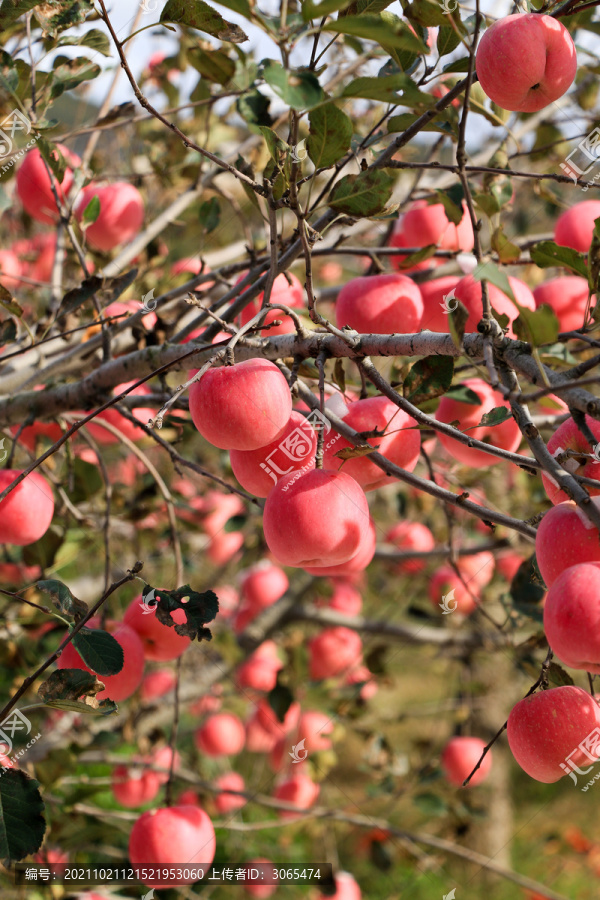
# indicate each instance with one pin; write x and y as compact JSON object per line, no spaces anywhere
{"x":380,"y":304}
{"x":446,"y":586}
{"x":477,"y":568}
{"x":241,"y":407}
{"x":162,"y":758}
{"x":289,"y":293}
{"x":114,"y":417}
{"x":223,"y":734}
{"x":568,"y":437}
{"x":571,"y":616}
{"x":400,"y":441}
{"x":26,"y":513}
{"x":258,"y":738}
{"x":506,"y":435}
{"x":508,"y":563}
{"x":192,"y":265}
{"x":345,"y":598}
{"x":314,"y":729}
{"x":297,"y":537}
{"x":567,"y":296}
{"x":361,"y":675}
{"x":546,"y":728}
{"x":34,"y":187}
{"x":434,"y":294}
{"x":263,"y":584}
{"x":525,"y":62}
{"x":51,"y":430}
{"x":346,"y":888}
{"x":259,"y":671}
{"x":226,"y":802}
{"x":10,"y":270}
{"x":218,"y":508}
{"x":423,"y":224}
{"x":171,"y":836}
{"x":258,"y":470}
{"x":121,"y":214}
{"x":267,"y":871}
{"x":333,"y":651}
{"x":300,"y":791}
{"x":133,"y":786}
{"x":565,"y":537}
{"x":207,"y":703}
{"x":161,"y":642}
{"x":575,"y":226}
{"x":271,"y":722}
{"x":469,"y":292}
{"x":459,"y":758}
{"x":126,"y":682}
{"x":411,"y":536}
{"x":157,"y":683}
{"x":352,"y":569}
{"x":224,"y":546}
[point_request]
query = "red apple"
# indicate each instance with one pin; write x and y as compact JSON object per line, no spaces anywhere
{"x":122,"y":685}
{"x":218,"y":508}
{"x":352,"y":569}
{"x":411,"y":536}
{"x":133,"y":786}
{"x":223,"y":734}
{"x":575,"y":226}
{"x":157,"y":683}
{"x":224,"y":546}
{"x":300,"y":791}
{"x":315,"y":728}
{"x":333,"y":651}
{"x":572,"y":614}
{"x":565,"y":537}
{"x":257,"y":870}
{"x":297,"y":537}
{"x":400,"y":442}
{"x":26,"y":513}
{"x":121,"y":214}
{"x":346,"y":888}
{"x":567,"y":296}
{"x":171,"y":836}
{"x":258,"y":470}
{"x":459,"y":758}
{"x":288,"y":293}
{"x":226,"y":802}
{"x":546,"y":729}
{"x":423,"y":224}
{"x":345,"y":598}
{"x":446,"y":587}
{"x":161,"y":642}
{"x":380,"y":304}
{"x":506,"y":435}
{"x":162,"y":758}
{"x":259,"y":672}
{"x":114,"y":417}
{"x":469,"y":292}
{"x":525,"y":62}
{"x":435,"y":304}
{"x":34,"y":187}
{"x":508,"y":563}
{"x":241,"y":407}
{"x":10,"y":270}
{"x":568,"y":437}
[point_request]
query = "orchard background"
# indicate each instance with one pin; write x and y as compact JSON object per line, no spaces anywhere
{"x":167,"y":169}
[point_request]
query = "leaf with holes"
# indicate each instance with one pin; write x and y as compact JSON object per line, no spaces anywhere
{"x":198,"y":14}
{"x":199,"y":608}
{"x":62,"y":598}
{"x":428,"y":378}
{"x":99,"y":650}
{"x":496,"y":416}
{"x":74,"y":690}
{"x":22,"y":823}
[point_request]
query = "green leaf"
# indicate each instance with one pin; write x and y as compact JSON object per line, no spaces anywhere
{"x":312,"y":10}
{"x":463,"y":394}
{"x":330,"y":135}
{"x":61,"y":14}
{"x":537,"y":327}
{"x":558,"y":676}
{"x":356,"y":452}
{"x":94,"y":38}
{"x":70,"y":73}
{"x":74,"y":690}
{"x":398,"y":124}
{"x":92,"y":211}
{"x":507,"y":251}
{"x":457,"y":322}
{"x":430,"y":804}
{"x":398,"y":88}
{"x":12,"y":9}
{"x":299,"y":89}
{"x":198,"y":14}
{"x":62,"y":598}
{"x":8,"y":332}
{"x":362,"y":195}
{"x":22,"y":823}
{"x":447,"y":40}
{"x":428,"y":378}
{"x":199,"y":608}
{"x":496,"y":416}
{"x":454,"y":211}
{"x":215,"y":65}
{"x":53,"y":157}
{"x":239,"y":6}
{"x":43,"y":552}
{"x":418,"y":256}
{"x":99,"y":650}
{"x":489,"y":271}
{"x":8,"y":303}
{"x":377,"y":28}
{"x":546,"y":254}
{"x":426,"y":13}
{"x":209,"y":214}
{"x":87,"y":481}
{"x":362,"y":7}
{"x":275,"y":144}
{"x":253,"y":107}
{"x":280,"y":698}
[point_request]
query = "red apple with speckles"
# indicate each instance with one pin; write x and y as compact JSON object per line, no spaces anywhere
{"x":445,"y":586}
{"x":352,"y":569}
{"x":134,"y":785}
{"x":572,"y":616}
{"x":289,"y":293}
{"x":259,"y":671}
{"x":423,"y":224}
{"x":300,"y":791}
{"x":226,"y":802}
{"x":469,"y":292}
{"x":380,"y":304}
{"x":435,"y":304}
